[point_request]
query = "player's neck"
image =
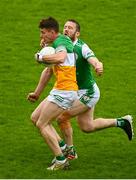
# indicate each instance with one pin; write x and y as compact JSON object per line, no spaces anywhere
{"x":75,"y":40}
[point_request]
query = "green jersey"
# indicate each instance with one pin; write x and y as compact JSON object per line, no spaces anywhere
{"x":84,"y":75}
{"x":63,"y":42}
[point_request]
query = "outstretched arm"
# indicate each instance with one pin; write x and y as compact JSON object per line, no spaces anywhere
{"x":43,"y":81}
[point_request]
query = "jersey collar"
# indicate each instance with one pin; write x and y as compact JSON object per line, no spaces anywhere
{"x":74,"y":42}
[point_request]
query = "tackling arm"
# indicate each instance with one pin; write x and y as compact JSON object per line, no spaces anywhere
{"x":98,"y":66}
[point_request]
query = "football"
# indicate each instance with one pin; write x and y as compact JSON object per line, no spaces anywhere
{"x":47,"y":51}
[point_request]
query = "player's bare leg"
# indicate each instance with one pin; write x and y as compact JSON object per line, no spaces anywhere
{"x":66,"y":129}
{"x":36,"y":113}
{"x":48,"y":112}
{"x":77,"y":108}
{"x":88,"y":124}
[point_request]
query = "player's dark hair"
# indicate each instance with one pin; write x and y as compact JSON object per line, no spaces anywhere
{"x":77,"y":24}
{"x":49,"y":23}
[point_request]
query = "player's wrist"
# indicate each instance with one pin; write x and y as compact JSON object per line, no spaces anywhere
{"x":39,"y":57}
{"x":37,"y":95}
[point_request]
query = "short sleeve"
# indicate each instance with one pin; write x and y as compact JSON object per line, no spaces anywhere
{"x":87,"y":52}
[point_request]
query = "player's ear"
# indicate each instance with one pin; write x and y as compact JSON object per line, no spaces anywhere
{"x":77,"y":34}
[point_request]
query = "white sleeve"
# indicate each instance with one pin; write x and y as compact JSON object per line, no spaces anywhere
{"x":60,"y":48}
{"x":87,"y":52}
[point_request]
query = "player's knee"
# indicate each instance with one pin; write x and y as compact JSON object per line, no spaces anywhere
{"x":39,"y":125}
{"x":33,"y":118}
{"x":87,"y":129}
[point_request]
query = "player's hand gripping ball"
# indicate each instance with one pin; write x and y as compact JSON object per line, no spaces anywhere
{"x":43,"y":52}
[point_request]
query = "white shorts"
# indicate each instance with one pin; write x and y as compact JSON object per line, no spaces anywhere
{"x":62,"y":98}
{"x":89,"y":97}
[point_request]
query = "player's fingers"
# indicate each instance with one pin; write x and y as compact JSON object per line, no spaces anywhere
{"x":31,"y":99}
{"x":99,"y":72}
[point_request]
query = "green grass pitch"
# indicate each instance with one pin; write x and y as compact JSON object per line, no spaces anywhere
{"x":108,"y":26}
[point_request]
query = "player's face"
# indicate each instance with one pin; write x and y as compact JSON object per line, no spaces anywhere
{"x":70,"y":30}
{"x":46,"y":35}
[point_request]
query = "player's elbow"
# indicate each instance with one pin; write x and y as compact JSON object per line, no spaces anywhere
{"x":61,"y":60}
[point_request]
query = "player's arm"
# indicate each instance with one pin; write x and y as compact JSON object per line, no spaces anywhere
{"x":98,"y":66}
{"x":57,"y":58}
{"x":88,"y":54}
{"x":43,"y":81}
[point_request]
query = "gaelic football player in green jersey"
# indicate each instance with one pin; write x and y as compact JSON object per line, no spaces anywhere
{"x":89,"y":93}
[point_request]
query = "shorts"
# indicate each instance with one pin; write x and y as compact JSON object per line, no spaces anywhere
{"x":89,"y":97}
{"x":63,"y":98}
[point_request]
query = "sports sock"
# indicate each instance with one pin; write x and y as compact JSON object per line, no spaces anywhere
{"x":120,"y":122}
{"x":62,"y":144}
{"x":60,"y":157}
{"x":70,"y":147}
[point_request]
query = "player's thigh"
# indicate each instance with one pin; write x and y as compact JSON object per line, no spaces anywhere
{"x":77,"y":108}
{"x":48,"y":113}
{"x":36,"y":113}
{"x":85,"y":119}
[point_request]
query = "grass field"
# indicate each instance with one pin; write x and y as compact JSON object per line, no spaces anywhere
{"x":108,"y":26}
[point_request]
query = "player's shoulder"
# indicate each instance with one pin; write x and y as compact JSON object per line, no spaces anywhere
{"x":63,"y":42}
{"x":81,"y":43}
{"x":63,"y":37}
